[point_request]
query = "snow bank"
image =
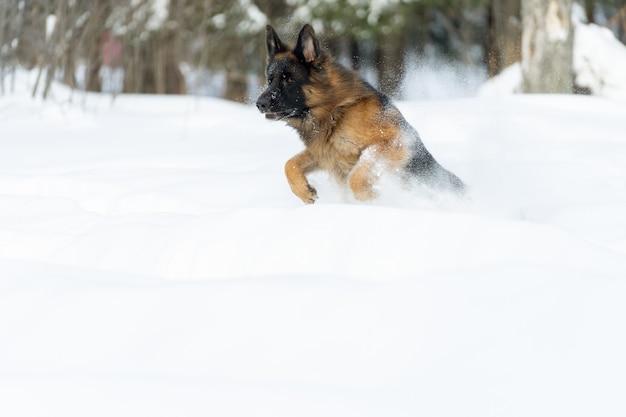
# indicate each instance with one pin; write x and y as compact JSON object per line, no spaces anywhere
{"x":153,"y":262}
{"x":599,"y":65}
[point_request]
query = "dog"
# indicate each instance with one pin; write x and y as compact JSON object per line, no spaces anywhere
{"x":349,"y":129}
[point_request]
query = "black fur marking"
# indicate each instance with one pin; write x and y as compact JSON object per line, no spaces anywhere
{"x":284,"y":96}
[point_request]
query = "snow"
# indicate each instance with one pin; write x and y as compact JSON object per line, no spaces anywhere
{"x":255,"y":20}
{"x":432,"y":76}
{"x":599,"y":64}
{"x":153,"y":262}
{"x":51,"y":21}
{"x":159,"y":14}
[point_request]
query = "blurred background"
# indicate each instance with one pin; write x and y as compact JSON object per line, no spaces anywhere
{"x":411,"y":49}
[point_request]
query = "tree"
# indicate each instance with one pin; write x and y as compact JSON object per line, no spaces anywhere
{"x":151,"y":34}
{"x":547,"y":46}
{"x":380,"y":25}
{"x":30,"y":22}
{"x":247,"y":22}
{"x":231,"y":34}
{"x":93,"y":48}
{"x":505,"y":32}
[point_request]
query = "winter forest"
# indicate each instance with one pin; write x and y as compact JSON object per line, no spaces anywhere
{"x":212,"y":47}
{"x":154,"y":261}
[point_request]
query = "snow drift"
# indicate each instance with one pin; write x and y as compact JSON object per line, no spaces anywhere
{"x":153,"y":262}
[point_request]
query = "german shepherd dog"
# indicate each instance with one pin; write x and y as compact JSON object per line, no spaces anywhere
{"x":349,"y":128}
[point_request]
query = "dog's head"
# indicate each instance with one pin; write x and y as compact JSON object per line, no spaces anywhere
{"x":288,"y":72}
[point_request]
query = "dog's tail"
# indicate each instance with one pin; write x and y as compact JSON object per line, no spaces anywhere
{"x":446,"y":180}
{"x":429,"y":172}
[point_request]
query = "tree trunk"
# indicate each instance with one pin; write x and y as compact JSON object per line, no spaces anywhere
{"x":505,"y":35}
{"x":389,"y":62}
{"x":152,"y":67}
{"x":236,"y":88}
{"x":170,"y":79}
{"x":547,"y":43}
{"x":31,"y":33}
{"x":355,"y":54}
{"x":94,"y":63}
{"x":589,"y":6}
{"x":69,"y":63}
{"x":95,"y":36}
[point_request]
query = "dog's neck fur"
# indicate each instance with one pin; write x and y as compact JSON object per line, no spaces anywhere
{"x":325,"y":112}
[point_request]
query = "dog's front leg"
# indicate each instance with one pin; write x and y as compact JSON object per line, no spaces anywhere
{"x":295,"y":170}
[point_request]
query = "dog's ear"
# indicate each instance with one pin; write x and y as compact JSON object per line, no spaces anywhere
{"x":274,"y":44}
{"x":308,"y":47}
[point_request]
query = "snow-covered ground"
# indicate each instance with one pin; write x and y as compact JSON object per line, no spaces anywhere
{"x":153,"y":262}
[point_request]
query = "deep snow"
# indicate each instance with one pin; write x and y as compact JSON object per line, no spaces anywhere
{"x":153,"y":262}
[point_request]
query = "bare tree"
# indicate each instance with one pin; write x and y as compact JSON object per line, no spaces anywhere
{"x":505,"y":35}
{"x":30,"y":25}
{"x":547,"y":46}
{"x":389,"y":61}
{"x":93,"y":45}
{"x":152,"y":48}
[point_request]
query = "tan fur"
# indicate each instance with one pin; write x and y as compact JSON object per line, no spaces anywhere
{"x":295,"y":170}
{"x":346,"y":119}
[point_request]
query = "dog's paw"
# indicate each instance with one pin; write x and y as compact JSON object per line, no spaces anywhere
{"x":306,"y":193}
{"x":309,"y":195}
{"x":364,"y":194}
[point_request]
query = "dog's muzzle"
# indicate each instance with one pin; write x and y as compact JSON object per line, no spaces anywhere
{"x":264,"y":104}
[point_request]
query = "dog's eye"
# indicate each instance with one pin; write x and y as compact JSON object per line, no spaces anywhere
{"x":287,"y":78}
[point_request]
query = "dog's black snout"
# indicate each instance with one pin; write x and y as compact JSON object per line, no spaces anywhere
{"x":263,"y":104}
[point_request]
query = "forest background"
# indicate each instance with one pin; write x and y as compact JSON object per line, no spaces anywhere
{"x":217,"y":47}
